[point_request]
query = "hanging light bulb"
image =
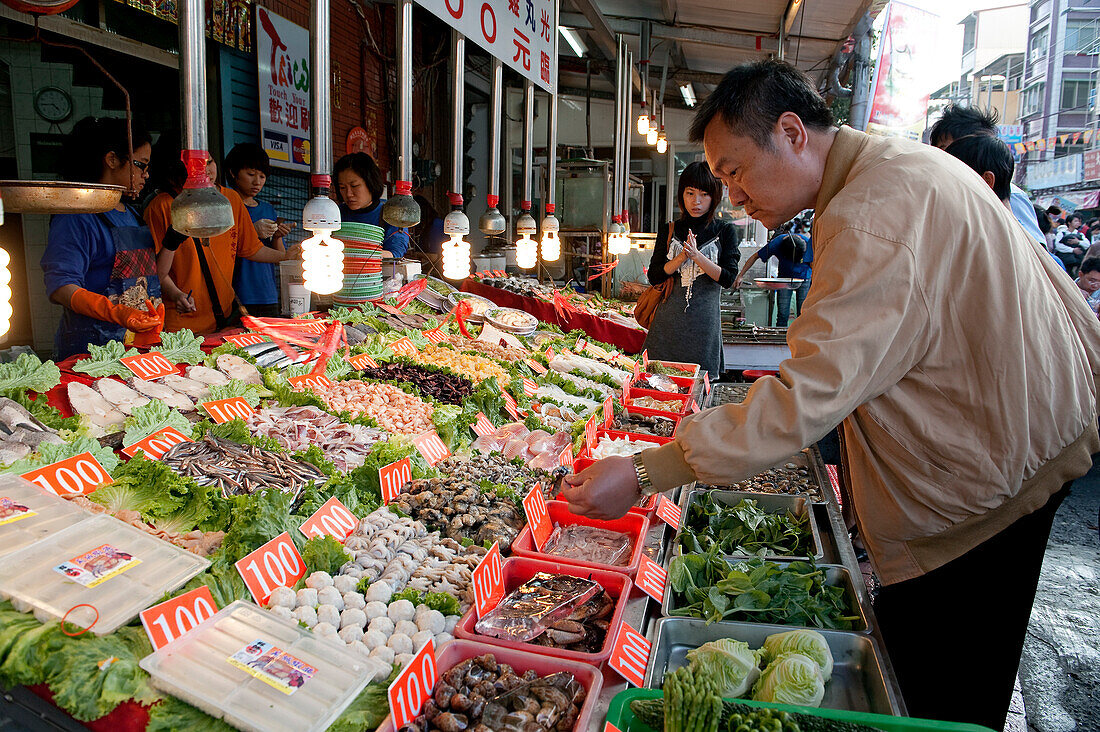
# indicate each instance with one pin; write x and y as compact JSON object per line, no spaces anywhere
{"x":322,"y":255}
{"x":527,"y":249}
{"x":617,"y":241}
{"x":5,"y":290}
{"x":551,"y":245}
{"x":651,"y":136}
{"x":643,"y":120}
{"x":662,"y":142}
{"x":456,"y":250}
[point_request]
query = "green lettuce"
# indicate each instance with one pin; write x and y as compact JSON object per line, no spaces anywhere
{"x":150,"y":417}
{"x":50,"y":453}
{"x":173,"y":715}
{"x":104,"y":360}
{"x":367,"y":711}
{"x":28,"y":372}
{"x":256,"y":519}
{"x":183,"y":346}
{"x":324,"y":554}
{"x":808,"y":642}
{"x":791,"y":679}
{"x":731,"y":663}
{"x":251,"y":393}
{"x":162,"y":496}
{"x":224,"y":582}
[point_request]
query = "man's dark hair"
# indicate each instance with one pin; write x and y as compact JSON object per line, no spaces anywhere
{"x":1072,"y":216}
{"x":362,"y":165}
{"x":697,"y":175}
{"x":1042,"y":218}
{"x":792,"y":248}
{"x":1054,"y":211}
{"x":958,"y":121}
{"x":751,"y":98}
{"x":246,"y":155}
{"x":986,"y":153}
{"x":1092,"y":264}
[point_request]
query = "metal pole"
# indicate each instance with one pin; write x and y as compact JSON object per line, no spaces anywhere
{"x":458,"y":106}
{"x":616,"y":135}
{"x":551,"y":152}
{"x":861,"y":73}
{"x":495,"y":115}
{"x":528,"y":147}
{"x":626,"y":136}
{"x":321,"y":158}
{"x":192,"y":20}
{"x":404,"y":88}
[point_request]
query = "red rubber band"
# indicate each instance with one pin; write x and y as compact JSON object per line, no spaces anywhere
{"x":74,"y":607}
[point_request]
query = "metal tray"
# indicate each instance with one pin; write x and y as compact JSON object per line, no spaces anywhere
{"x":834,"y":575}
{"x":802,"y":460}
{"x":797,"y":505}
{"x":454,"y":299}
{"x":857,"y":684}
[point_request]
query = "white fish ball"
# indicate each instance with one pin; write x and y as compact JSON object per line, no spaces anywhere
{"x":350,"y":633}
{"x":383,"y":653}
{"x":305,"y":614}
{"x":403,"y":659}
{"x":282,"y":597}
{"x":421,"y":638}
{"x":401,"y":610}
{"x":400,"y":643}
{"x":328,"y":614}
{"x":354,"y":600}
{"x":432,"y":621}
{"x":383,"y":625}
{"x":324,"y":629}
{"x":307,"y":597}
{"x":374,"y":638}
{"x":353,"y":616}
{"x":330,"y":596}
{"x":380,"y":591}
{"x":282,"y":612}
{"x":442,"y":638}
{"x":375,"y":610}
{"x":344,"y":584}
{"x":317,"y":580}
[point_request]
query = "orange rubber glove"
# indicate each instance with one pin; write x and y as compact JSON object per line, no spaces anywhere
{"x":89,"y":303}
{"x":151,"y":337}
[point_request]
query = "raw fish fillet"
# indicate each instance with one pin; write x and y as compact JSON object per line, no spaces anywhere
{"x":88,"y":403}
{"x":237,"y":368}
{"x":162,"y":393}
{"x":12,"y":451}
{"x":122,"y":396}
{"x":545,"y":461}
{"x":513,"y":431}
{"x":517,"y":449}
{"x":536,"y":436}
{"x":184,"y":385}
{"x":33,"y":437}
{"x":559,"y":442}
{"x":488,"y":444}
{"x":207,"y":375}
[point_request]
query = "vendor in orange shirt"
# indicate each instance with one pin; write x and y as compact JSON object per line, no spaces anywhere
{"x":185,"y":281}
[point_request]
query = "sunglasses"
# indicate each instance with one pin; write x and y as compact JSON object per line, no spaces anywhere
{"x":142,"y":166}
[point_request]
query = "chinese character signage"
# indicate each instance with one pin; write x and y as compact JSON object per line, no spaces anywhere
{"x":900,"y":101}
{"x":523,"y":34}
{"x":282,"y":54}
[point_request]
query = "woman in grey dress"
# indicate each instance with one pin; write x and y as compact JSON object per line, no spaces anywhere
{"x":701,"y":255}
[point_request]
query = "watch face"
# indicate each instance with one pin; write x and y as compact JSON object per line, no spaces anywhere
{"x":53,"y":104}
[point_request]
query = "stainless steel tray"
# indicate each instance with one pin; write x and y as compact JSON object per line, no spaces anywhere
{"x":858,"y":683}
{"x":797,"y":505}
{"x":803,"y":460}
{"x":834,"y":575}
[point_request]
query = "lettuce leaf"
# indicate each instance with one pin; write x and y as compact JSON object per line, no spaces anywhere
{"x":48,"y":453}
{"x":367,"y":711}
{"x":148,"y":418}
{"x":173,"y":715}
{"x":104,"y":360}
{"x":257,"y":519}
{"x":224,"y":582}
{"x":251,"y":393}
{"x":324,"y":554}
{"x":163,"y":497}
{"x":29,"y":372}
{"x":183,"y":346}
{"x":336,"y":368}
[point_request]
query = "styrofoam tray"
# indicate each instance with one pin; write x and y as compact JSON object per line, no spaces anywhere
{"x":196,"y":668}
{"x":29,"y":577}
{"x":46,"y":514}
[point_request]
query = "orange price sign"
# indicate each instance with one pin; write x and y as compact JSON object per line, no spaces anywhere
{"x":566,"y":457}
{"x":630,"y":655}
{"x":706,"y":382}
{"x":246,"y":339}
{"x":332,"y":519}
{"x":76,"y":476}
{"x":316,"y":327}
{"x":608,"y":412}
{"x":534,"y":505}
{"x":155,"y":445}
{"x":275,"y":564}
{"x":310,"y":381}
{"x":608,"y":727}
{"x":483,"y":427}
{"x":580,"y":345}
{"x":405,"y":347}
{"x":669,"y":512}
{"x":393,"y":478}
{"x":149,"y":366}
{"x":645,"y":359}
{"x":652,"y":578}
{"x":537,"y":367}
{"x":413,"y":686}
{"x":590,"y":432}
{"x":431,"y":447}
{"x":637,"y":370}
{"x":549,"y":353}
{"x":529,"y":387}
{"x":362,"y":361}
{"x":169,"y":620}
{"x":226,"y":410}
{"x":488,"y":581}
{"x":499,"y":273}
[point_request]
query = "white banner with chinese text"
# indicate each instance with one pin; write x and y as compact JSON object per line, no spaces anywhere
{"x":282,"y":55}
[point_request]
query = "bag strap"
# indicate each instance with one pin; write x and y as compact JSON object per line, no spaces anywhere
{"x":219,"y":314}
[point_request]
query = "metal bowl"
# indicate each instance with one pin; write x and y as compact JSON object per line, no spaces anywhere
{"x":474,"y":317}
{"x":778,"y":283}
{"x":57,"y":196}
{"x":492,"y":317}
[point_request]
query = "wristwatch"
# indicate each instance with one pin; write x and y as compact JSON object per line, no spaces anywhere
{"x":642,"y":474}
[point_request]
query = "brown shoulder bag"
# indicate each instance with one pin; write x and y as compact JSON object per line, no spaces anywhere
{"x":652,"y":297}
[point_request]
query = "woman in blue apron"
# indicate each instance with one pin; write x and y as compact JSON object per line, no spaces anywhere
{"x":101,"y":268}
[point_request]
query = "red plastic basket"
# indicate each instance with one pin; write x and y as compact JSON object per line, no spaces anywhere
{"x":633,"y":524}
{"x":661,"y":396}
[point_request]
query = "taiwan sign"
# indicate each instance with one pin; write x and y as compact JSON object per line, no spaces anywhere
{"x":282,"y":55}
{"x":523,"y":34}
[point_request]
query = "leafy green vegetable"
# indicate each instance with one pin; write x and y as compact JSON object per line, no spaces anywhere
{"x":808,"y":642}
{"x":731,"y":663}
{"x":183,"y":346}
{"x":315,"y":456}
{"x":50,"y":453}
{"x":324,"y":554}
{"x":225,"y":583}
{"x":368,"y":710}
{"x":792,"y":678}
{"x":743,"y":529}
{"x":251,"y":393}
{"x":163,"y":497}
{"x":28,"y":648}
{"x":441,"y":601}
{"x":173,"y":715}
{"x":256,"y":519}
{"x":336,"y":368}
{"x":150,"y":417}
{"x":28,"y":372}
{"x":104,"y":360}
{"x":285,"y":395}
{"x":237,"y":431}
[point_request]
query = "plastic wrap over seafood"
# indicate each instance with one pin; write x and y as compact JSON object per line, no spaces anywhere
{"x":527,"y":612}
{"x":591,"y":544}
{"x":538,"y":449}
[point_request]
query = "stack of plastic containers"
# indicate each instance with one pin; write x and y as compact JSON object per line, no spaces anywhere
{"x":362,"y":263}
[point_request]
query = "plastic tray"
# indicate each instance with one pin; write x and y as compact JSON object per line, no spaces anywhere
{"x":687,"y":382}
{"x":661,"y":396}
{"x":51,"y":514}
{"x":452,"y":653}
{"x":797,"y":505}
{"x":690,"y":369}
{"x":28,"y":576}
{"x":834,"y":575}
{"x":857,"y":684}
{"x":632,"y":436}
{"x":196,"y":669}
{"x":520,"y":569}
{"x":636,"y":525}
{"x":619,"y":714}
{"x":676,"y":418}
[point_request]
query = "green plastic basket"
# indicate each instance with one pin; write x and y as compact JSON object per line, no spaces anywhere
{"x":620,"y":715}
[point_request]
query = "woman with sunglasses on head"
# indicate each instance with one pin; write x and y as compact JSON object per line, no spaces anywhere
{"x":101,"y":268}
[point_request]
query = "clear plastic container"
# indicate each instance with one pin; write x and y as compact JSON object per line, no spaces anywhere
{"x":29,"y":512}
{"x":196,"y":668}
{"x":130,"y":571}
{"x":634,"y":525}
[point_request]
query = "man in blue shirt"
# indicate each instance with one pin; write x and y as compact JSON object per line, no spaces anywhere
{"x":795,"y":253}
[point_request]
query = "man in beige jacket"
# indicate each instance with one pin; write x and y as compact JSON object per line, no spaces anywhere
{"x":960,"y":359}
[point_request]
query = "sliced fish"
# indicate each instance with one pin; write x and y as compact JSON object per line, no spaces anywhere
{"x":162,"y":393}
{"x":354,"y":335}
{"x":125,"y":399}
{"x":237,"y":368}
{"x":194,"y":389}
{"x":33,"y":438}
{"x":91,"y":405}
{"x":207,"y":375}
{"x":12,"y":451}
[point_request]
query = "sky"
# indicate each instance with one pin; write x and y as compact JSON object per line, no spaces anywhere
{"x":948,"y":51}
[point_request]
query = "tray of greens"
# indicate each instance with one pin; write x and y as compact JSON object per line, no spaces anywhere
{"x":748,"y":524}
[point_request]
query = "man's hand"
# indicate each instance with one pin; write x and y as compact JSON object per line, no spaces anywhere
{"x":294,"y":252}
{"x":184,"y":303}
{"x":737,"y":281}
{"x":285,"y":227}
{"x":604,"y":491}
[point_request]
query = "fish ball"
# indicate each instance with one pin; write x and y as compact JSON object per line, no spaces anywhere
{"x":383,"y":653}
{"x":328,"y":614}
{"x":330,"y":596}
{"x":376,"y":610}
{"x":401,"y":610}
{"x":400,"y":643}
{"x":317,"y":580}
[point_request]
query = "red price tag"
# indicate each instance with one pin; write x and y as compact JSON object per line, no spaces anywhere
{"x":155,"y":445}
{"x":608,"y":412}
{"x":149,"y":366}
{"x":76,"y":476}
{"x":511,"y":407}
{"x":694,"y":408}
{"x":499,"y":273}
{"x":245,"y":339}
{"x":226,"y":410}
{"x":608,"y":727}
{"x":549,"y":354}
{"x":388,"y":308}
{"x":362,"y":361}
{"x":316,"y":327}
{"x":630,"y":655}
{"x":529,"y":387}
{"x":404,"y":347}
{"x":637,"y":370}
{"x":669,"y":512}
{"x":169,"y":620}
{"x":566,"y":457}
{"x":534,"y":505}
{"x":537,"y":367}
{"x":332,"y":519}
{"x":483,"y":427}
{"x":488,"y":581}
{"x":413,"y":686}
{"x":310,"y":381}
{"x":590,"y":432}
{"x":645,"y":359}
{"x":393,"y":478}
{"x":275,"y":564}
{"x":435,"y":336}
{"x":706,"y":382}
{"x":431,"y":447}
{"x":652,"y":578}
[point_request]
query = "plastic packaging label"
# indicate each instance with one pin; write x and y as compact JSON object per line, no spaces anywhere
{"x":488,"y":581}
{"x":332,"y":519}
{"x":76,"y":476}
{"x":483,"y":427}
{"x":157,"y":444}
{"x":404,"y":347}
{"x":534,"y":505}
{"x":226,"y":410}
{"x":652,"y":578}
{"x":11,"y":511}
{"x":275,"y":564}
{"x":529,"y":387}
{"x":273,"y":666}
{"x":149,"y":366}
{"x":393,"y":478}
{"x":169,"y":620}
{"x":362,"y":361}
{"x":413,"y":686}
{"x":630,"y":655}
{"x":310,"y":381}
{"x":246,"y":339}
{"x":93,"y":568}
{"x":669,"y":512}
{"x":537,"y":367}
{"x":431,"y":447}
